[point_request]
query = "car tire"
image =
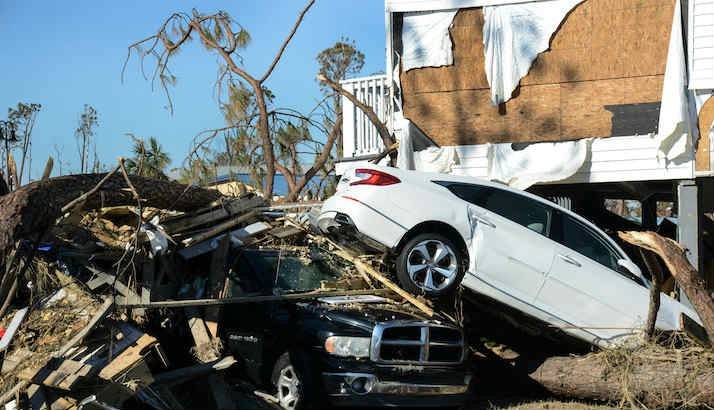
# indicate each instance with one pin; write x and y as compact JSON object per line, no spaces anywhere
{"x":294,"y":385}
{"x":430,"y":264}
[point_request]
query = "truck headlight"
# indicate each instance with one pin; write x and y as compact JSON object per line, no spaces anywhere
{"x":348,"y":346}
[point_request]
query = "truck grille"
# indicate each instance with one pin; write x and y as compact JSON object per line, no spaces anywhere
{"x":417,"y":343}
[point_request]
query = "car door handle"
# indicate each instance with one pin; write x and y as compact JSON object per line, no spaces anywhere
{"x":485,"y":221}
{"x":570,"y":260}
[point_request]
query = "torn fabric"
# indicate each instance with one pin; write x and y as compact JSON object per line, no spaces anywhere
{"x":536,"y":163}
{"x":513,"y":36}
{"x":673,"y":131}
{"x":425,"y":39}
{"x":427,"y":159}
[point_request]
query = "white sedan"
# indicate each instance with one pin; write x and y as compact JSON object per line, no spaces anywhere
{"x":514,"y":247}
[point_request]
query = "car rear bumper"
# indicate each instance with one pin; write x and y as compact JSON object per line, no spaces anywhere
{"x":366,"y":389}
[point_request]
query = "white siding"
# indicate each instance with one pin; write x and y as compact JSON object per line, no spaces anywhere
{"x":701,"y":44}
{"x":609,"y":160}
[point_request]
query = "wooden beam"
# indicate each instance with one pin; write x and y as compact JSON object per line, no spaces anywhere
{"x":254,"y":299}
{"x":220,"y":228}
{"x":230,"y":208}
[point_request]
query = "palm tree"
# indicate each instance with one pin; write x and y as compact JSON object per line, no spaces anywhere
{"x":149,"y":159}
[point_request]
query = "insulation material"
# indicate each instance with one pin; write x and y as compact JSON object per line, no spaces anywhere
{"x":536,"y":163}
{"x":425,"y":39}
{"x":430,"y":159}
{"x":513,"y":36}
{"x":673,"y":129}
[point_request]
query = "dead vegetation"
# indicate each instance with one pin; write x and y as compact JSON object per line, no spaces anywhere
{"x":97,"y":278}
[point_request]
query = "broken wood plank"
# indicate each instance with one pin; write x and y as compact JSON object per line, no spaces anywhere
{"x":341,"y":252}
{"x":181,"y":375}
{"x":283,"y":232}
{"x":79,"y":337}
{"x":203,"y":342}
{"x":102,"y":278}
{"x":12,"y":328}
{"x":255,"y":299}
{"x":216,"y":282}
{"x":220,"y":228}
{"x":229,"y":208}
{"x":128,"y":358}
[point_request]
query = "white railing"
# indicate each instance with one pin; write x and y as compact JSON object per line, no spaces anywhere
{"x":360,"y":136}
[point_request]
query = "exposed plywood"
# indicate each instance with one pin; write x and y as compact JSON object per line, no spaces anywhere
{"x":706,"y":118}
{"x":606,"y":53}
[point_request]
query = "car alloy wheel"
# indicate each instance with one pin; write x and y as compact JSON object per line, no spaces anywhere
{"x":432,"y":265}
{"x":288,"y":388}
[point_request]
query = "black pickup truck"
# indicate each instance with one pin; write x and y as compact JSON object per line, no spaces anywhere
{"x":339,"y":351}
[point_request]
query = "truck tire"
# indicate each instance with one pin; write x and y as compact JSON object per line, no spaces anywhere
{"x":430,"y":264}
{"x":295,"y":385}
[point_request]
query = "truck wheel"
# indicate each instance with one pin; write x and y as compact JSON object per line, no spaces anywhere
{"x":295,"y":390}
{"x":430,"y":264}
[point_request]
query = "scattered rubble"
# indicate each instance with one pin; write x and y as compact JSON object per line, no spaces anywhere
{"x":108,"y":273}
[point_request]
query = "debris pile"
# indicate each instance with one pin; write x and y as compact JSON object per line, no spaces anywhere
{"x":121,"y":282}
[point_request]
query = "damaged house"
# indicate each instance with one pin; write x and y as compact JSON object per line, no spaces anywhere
{"x":584,"y":102}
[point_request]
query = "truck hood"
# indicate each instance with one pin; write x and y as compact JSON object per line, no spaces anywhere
{"x":366,"y":315}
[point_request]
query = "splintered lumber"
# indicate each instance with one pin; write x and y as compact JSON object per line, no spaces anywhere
{"x":128,"y":358}
{"x":187,"y":373}
{"x":220,"y":228}
{"x":216,"y":283}
{"x":20,"y":215}
{"x":227,"y":209}
{"x":675,"y":258}
{"x":655,"y":384}
{"x":12,"y":328}
{"x":254,"y":299}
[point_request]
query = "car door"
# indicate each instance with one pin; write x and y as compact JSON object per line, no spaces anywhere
{"x":513,"y":252}
{"x":584,"y":291}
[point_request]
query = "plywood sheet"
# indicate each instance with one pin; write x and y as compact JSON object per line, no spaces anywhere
{"x":606,"y":53}
{"x":706,"y":117}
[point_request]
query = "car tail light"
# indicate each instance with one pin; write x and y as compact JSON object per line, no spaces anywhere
{"x":373,"y":177}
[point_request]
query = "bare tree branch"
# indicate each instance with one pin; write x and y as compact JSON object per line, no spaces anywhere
{"x":287,"y":41}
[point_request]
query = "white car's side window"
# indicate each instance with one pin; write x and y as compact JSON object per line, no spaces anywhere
{"x":579,"y":238}
{"x":518,"y":208}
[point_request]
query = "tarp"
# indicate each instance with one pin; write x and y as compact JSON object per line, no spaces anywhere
{"x":673,"y":131}
{"x":513,"y":36}
{"x":426,"y":159}
{"x":425,"y":39}
{"x":540,"y":162}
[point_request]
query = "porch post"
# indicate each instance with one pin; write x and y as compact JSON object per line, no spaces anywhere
{"x":688,"y":229}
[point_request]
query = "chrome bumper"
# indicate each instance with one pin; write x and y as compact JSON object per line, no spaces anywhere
{"x":343,"y":384}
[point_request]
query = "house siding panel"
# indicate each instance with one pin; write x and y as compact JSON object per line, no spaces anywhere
{"x":605,"y":53}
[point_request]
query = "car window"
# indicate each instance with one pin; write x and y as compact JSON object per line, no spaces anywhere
{"x":581,"y":239}
{"x":269,"y":270}
{"x":518,"y":208}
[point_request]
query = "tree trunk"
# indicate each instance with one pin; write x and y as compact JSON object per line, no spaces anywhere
{"x":3,"y":185}
{"x":665,"y":383}
{"x":657,"y":277}
{"x":387,"y":138}
{"x":319,"y":161}
{"x":674,"y":256}
{"x":36,"y":206}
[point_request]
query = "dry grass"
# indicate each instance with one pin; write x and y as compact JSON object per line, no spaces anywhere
{"x":552,"y":405}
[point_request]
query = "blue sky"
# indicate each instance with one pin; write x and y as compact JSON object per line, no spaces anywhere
{"x":67,"y":54}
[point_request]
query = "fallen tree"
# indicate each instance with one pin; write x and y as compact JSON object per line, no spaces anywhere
{"x":651,"y":375}
{"x":35,"y":207}
{"x":675,"y":258}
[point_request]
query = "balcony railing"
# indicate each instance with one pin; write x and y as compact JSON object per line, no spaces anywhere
{"x":360,"y":137}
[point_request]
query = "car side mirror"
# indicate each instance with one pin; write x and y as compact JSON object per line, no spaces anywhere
{"x":630,"y":267}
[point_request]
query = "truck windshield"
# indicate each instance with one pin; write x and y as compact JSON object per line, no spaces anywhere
{"x":290,"y":271}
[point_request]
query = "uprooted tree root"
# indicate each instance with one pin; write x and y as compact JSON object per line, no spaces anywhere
{"x":672,"y":373}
